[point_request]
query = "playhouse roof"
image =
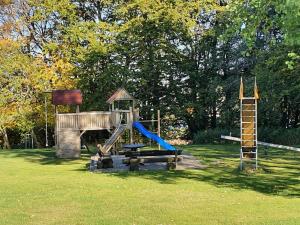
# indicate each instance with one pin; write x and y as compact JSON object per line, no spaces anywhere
{"x":120,"y":94}
{"x":66,"y":97}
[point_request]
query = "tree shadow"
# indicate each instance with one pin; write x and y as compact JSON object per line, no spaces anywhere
{"x":283,"y":184}
{"x":43,"y":156}
{"x":278,"y":175}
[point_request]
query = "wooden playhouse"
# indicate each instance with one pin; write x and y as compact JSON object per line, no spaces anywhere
{"x":69,"y":127}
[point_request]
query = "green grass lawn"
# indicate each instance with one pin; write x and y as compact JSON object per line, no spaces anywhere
{"x":37,"y":188}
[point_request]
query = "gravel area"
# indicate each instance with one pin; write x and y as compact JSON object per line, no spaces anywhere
{"x":187,"y":161}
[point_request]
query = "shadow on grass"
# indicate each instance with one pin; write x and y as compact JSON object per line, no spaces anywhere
{"x":43,"y":156}
{"x":283,"y":184}
{"x":278,"y":174}
{"x":279,"y":171}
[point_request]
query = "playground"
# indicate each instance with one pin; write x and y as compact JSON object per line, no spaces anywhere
{"x":124,"y":181}
{"x":48,"y":190}
{"x":149,"y":112}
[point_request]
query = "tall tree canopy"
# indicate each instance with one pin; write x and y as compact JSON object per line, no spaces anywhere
{"x":183,"y":57}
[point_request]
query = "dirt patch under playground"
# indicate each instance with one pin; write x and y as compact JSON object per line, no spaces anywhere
{"x":187,"y":161}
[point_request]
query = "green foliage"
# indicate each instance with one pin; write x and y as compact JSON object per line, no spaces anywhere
{"x":279,"y":136}
{"x":279,"y":89}
{"x":266,"y":134}
{"x":213,"y":136}
{"x":182,"y":57}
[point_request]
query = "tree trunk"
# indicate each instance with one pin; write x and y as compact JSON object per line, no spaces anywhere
{"x":213,"y":119}
{"x":296,"y":120}
{"x":35,"y":140}
{"x":6,"y":144}
{"x":284,"y":114}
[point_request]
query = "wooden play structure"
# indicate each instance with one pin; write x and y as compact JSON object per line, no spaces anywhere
{"x":248,"y":129}
{"x":71,"y":126}
{"x":122,"y":116}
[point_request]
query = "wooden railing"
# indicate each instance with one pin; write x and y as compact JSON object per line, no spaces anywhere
{"x":120,"y":117}
{"x":84,"y":120}
{"x":96,"y":120}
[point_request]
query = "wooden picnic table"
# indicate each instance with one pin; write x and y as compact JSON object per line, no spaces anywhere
{"x":133,"y":147}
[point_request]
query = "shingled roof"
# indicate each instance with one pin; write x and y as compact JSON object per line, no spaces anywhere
{"x":120,"y":94}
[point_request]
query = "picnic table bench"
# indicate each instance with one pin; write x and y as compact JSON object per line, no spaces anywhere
{"x":136,"y":158}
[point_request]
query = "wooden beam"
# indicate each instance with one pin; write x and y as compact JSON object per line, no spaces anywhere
{"x":153,"y":159}
{"x":150,"y":153}
{"x":81,"y":133}
{"x":158,"y":125}
{"x":263,"y":143}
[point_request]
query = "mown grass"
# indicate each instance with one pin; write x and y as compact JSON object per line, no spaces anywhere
{"x":37,"y":188}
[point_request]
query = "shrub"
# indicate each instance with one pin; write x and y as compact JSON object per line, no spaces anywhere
{"x":213,"y":136}
{"x":289,"y":136}
{"x":284,"y":136}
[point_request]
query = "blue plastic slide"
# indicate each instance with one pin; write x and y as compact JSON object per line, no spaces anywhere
{"x":152,"y":136}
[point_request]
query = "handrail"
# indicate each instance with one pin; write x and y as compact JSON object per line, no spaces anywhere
{"x":95,"y":120}
{"x":263,"y":143}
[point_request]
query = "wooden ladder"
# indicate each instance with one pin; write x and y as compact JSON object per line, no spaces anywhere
{"x":248,"y":129}
{"x":113,"y":138}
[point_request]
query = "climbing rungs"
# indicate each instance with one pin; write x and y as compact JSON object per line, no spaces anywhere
{"x":248,"y":107}
{"x":248,"y":100}
{"x":248,"y":119}
{"x":248,"y":143}
{"x":249,"y":158}
{"x":248,"y":139}
{"x":248,"y":113}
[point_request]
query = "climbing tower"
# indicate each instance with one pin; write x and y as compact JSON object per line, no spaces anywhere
{"x":248,"y":111}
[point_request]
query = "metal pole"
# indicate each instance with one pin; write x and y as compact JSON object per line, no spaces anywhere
{"x":32,"y":139}
{"x":25,"y":141}
{"x":46,"y":118}
{"x":263,"y":143}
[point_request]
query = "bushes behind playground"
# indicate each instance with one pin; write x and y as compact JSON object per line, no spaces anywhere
{"x":272,"y":135}
{"x":212,"y":136}
{"x":280,"y":136}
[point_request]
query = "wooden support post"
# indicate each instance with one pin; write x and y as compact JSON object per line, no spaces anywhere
{"x":134,"y":164}
{"x":241,"y":126}
{"x":256,"y":155}
{"x":56,"y":127}
{"x":130,"y":124}
{"x":158,"y":125}
{"x":77,"y":117}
